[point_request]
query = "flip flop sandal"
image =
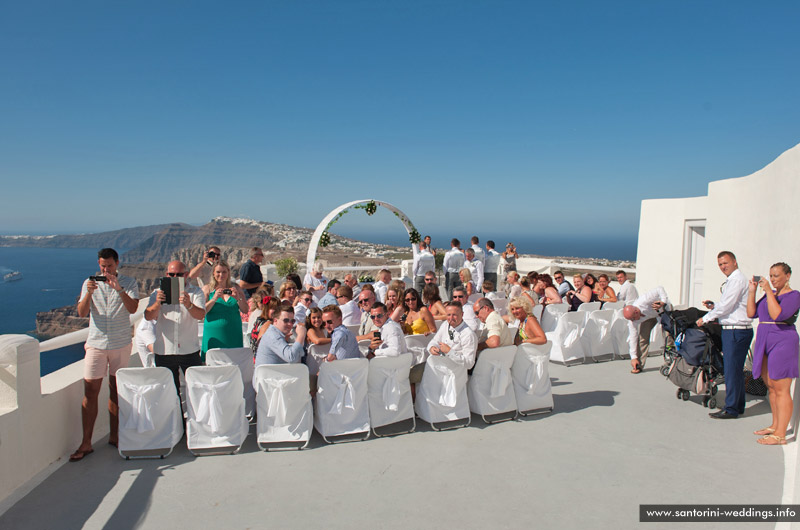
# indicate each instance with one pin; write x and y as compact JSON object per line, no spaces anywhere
{"x":772,"y":439}
{"x":77,"y":456}
{"x":764,"y":431}
{"x":636,"y":371}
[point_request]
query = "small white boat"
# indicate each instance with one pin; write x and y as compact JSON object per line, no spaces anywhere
{"x":12,"y":276}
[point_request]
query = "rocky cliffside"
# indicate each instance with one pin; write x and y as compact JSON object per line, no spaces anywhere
{"x":125,"y":238}
{"x":59,"y":321}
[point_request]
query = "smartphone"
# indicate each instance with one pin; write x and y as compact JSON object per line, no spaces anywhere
{"x":756,"y":279}
{"x":376,"y":335}
{"x":98,"y":278}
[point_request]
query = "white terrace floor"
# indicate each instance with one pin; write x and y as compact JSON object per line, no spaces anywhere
{"x":614,"y":441}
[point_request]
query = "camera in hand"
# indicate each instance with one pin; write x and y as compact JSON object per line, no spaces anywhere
{"x":212,"y":254}
{"x":756,"y":279}
{"x":98,"y":278}
{"x":227,"y":291}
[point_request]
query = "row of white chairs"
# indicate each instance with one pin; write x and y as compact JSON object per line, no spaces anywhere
{"x":354,"y":398}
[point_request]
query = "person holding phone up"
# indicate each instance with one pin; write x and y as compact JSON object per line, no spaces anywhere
{"x":222,"y":327}
{"x":388,"y":340}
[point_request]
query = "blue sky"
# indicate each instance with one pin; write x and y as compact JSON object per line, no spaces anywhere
{"x":504,"y":117}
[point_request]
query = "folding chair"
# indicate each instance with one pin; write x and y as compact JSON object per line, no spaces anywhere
{"x":597,"y":339}
{"x":550,"y":316}
{"x":417,"y":346}
{"x":341,"y":401}
{"x":216,"y":422}
{"x":150,"y":418}
{"x":243,"y":358}
{"x":489,"y":390}
{"x":285,"y":415}
{"x":566,"y":339}
{"x":442,"y":395}
{"x":389,"y":394}
{"x":531,"y":379}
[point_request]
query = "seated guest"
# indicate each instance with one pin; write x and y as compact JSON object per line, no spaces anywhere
{"x":490,"y":293}
{"x":468,"y":315}
{"x":295,"y":279}
{"x":393,"y":302}
{"x":351,"y":280}
{"x":590,"y":280}
{"x":351,"y":314}
{"x":432,"y":300}
{"x":430,"y":278}
{"x":582,"y":294}
{"x":255,"y":304}
{"x":529,"y":329}
{"x":466,"y":280}
{"x":330,"y":297}
{"x":414,"y":317}
{"x":627,"y":291}
{"x":512,"y":284}
{"x":288,"y":292}
{"x":497,"y":332}
{"x":390,"y":342}
{"x":533,"y":277}
{"x":562,"y":284}
{"x":366,"y":299}
{"x":269,"y":307}
{"x":399,"y":286}
{"x":315,"y":281}
{"x":343,"y":343}
{"x":455,"y":340}
{"x":303,"y":302}
{"x":545,"y":289}
{"x":603,"y":291}
{"x":527,"y":291}
{"x":316,"y":329}
{"x":275,"y":347}
{"x":384,"y":279}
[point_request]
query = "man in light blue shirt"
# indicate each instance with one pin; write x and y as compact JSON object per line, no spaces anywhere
{"x":330,"y":296}
{"x":274,"y":347}
{"x":343,"y":343}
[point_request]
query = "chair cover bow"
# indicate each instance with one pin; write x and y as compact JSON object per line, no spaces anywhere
{"x":448,"y":395}
{"x":140,"y":418}
{"x":276,"y":386}
{"x":209,"y":410}
{"x":571,"y":333}
{"x":535,"y":372}
{"x":391,"y":389}
{"x":344,"y":396}
{"x":500,"y":379}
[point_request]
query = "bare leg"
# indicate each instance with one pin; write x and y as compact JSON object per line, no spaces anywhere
{"x":783,"y":404}
{"x":773,"y":405}
{"x":91,"y":389}
{"x":113,"y":411}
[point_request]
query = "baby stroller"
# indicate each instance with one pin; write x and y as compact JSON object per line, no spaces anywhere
{"x":696,"y":362}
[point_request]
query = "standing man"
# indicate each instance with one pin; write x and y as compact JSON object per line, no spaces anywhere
{"x":343,"y":343}
{"x":453,"y":262}
{"x":491,"y":264}
{"x":202,"y":271}
{"x":392,"y":342}
{"x":108,"y":300}
{"x":475,"y":267}
{"x":479,"y":255}
{"x":642,"y":317}
{"x":250,"y":278}
{"x":627,"y":291}
{"x":424,"y":262}
{"x":177,"y":343}
{"x":427,"y":240}
{"x":564,"y":286}
{"x":737,"y":333}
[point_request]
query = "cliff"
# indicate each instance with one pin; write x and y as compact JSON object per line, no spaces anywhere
{"x":59,"y":321}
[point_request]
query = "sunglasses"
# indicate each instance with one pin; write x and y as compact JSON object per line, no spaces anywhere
{"x":176,"y":274}
{"x":363,"y":301}
{"x":380,"y":315}
{"x":410,"y":299}
{"x":328,"y":322}
{"x":287,"y":320}
{"x":306,"y":300}
{"x":459,"y":296}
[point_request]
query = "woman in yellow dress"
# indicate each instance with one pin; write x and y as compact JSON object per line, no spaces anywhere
{"x":415,"y":317}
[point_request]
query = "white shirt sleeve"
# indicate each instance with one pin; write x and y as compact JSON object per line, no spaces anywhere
{"x":729,"y":300}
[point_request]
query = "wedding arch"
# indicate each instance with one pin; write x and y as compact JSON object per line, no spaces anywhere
{"x":322,"y":236}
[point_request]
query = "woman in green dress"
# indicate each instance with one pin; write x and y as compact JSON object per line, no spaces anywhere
{"x":222,"y":327}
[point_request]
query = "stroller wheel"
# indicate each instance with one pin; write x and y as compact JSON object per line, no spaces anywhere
{"x":679,"y":394}
{"x":686,"y":395}
{"x":705,"y":402}
{"x":714,"y":390}
{"x":664,"y":370}
{"x":712,"y":403}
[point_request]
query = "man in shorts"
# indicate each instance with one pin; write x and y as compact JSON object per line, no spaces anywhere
{"x":109,"y":300}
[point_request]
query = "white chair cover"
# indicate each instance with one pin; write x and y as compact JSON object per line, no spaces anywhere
{"x":619,"y":335}
{"x":149,"y":411}
{"x":566,"y":339}
{"x":417,"y":345}
{"x":442,"y":394}
{"x":243,"y":358}
{"x":489,"y":389}
{"x":537,"y":311}
{"x":474,"y":297}
{"x":389,"y":391}
{"x":551,"y":315}
{"x":531,"y":376}
{"x":215,"y":408}
{"x":589,"y":306}
{"x":315,"y":356}
{"x":341,"y":402}
{"x":597,"y":338}
{"x":285,"y":413}
{"x":614,"y":305}
{"x":353,"y":329}
{"x":443,"y":294}
{"x":656,"y":341}
{"x":501,"y":306}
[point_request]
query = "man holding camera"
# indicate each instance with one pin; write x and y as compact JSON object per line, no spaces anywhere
{"x":202,"y":271}
{"x":737,"y":333}
{"x":108,"y":300}
{"x":177,"y":343}
{"x":388,"y":340}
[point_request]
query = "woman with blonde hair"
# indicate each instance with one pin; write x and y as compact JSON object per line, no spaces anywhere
{"x":288,"y":292}
{"x":603,"y":291}
{"x":269,"y":305}
{"x":530,"y":331}
{"x":466,"y":280}
{"x":225,"y":301}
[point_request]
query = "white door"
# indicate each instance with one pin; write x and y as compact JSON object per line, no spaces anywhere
{"x":694,"y":252}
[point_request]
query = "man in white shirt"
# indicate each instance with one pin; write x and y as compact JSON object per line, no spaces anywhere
{"x":391,"y":342}
{"x":366,"y":299}
{"x":315,"y":281}
{"x":453,"y":262}
{"x":424,"y":262}
{"x":455,"y":339}
{"x":351,"y":314}
{"x":351,"y":280}
{"x":627,"y":291}
{"x":497,"y":332}
{"x":475,"y":267}
{"x":177,"y":345}
{"x":479,"y":255}
{"x":305,"y":301}
{"x":382,"y":285}
{"x":642,"y":317}
{"x":468,"y":314}
{"x":737,"y":333}
{"x":491,"y":263}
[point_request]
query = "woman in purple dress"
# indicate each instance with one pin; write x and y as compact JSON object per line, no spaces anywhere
{"x":776,"y":350}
